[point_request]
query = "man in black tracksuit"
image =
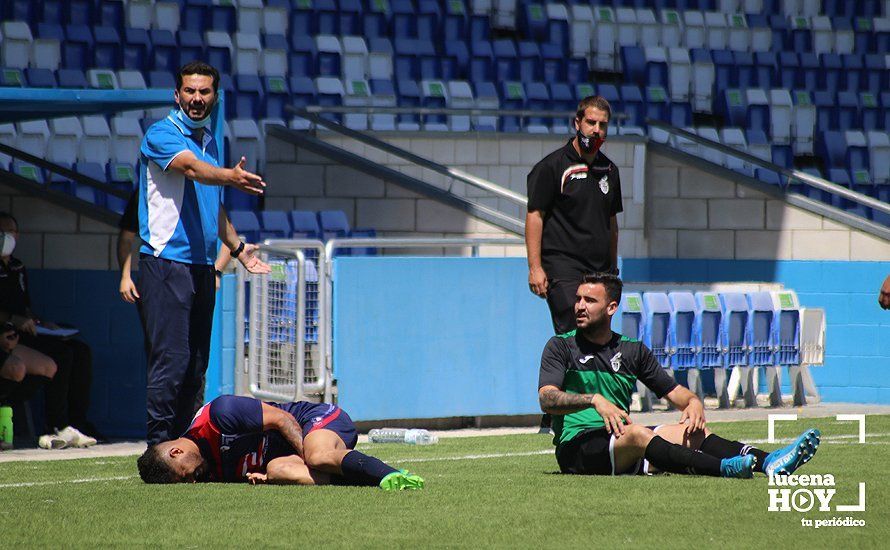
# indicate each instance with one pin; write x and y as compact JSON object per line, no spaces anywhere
{"x":574,"y":194}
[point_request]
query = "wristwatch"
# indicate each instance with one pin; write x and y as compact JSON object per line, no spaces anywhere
{"x":238,"y":250}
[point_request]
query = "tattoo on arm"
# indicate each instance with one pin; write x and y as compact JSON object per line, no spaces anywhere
{"x":291,"y":432}
{"x":555,"y":401}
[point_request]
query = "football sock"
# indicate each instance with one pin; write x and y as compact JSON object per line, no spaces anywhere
{"x":678,"y":459}
{"x":361,"y":469}
{"x":715,"y":445}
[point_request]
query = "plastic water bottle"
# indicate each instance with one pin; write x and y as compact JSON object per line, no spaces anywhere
{"x":5,"y":428}
{"x":401,"y":435}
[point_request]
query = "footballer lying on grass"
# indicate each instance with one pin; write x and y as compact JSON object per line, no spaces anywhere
{"x":241,"y":439}
{"x":586,"y":381}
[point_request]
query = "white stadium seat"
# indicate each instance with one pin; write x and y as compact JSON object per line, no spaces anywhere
{"x":355,"y":58}
{"x":735,"y":139}
{"x":671,"y":28}
{"x":275,"y":19}
{"x":739,"y":33}
{"x":803,"y":126}
{"x":628,"y":31}
{"x":383,"y":121}
{"x":126,"y":137}
{"x":66,"y":135}
{"x":717,"y":30}
{"x":166,"y":16}
{"x":102,"y":79}
{"x":247,"y":53}
{"x":823,"y":35}
{"x":17,"y":41}
{"x":709,"y":153}
{"x":140,"y":14}
{"x":358,"y":93}
{"x":780,"y":116}
{"x":648,"y":28}
{"x":702,"y":86}
{"x":46,"y":53}
{"x":679,"y":74}
{"x":96,"y":143}
{"x":879,"y":156}
{"x":7,"y":136}
{"x":605,"y":35}
{"x":581,"y":30}
{"x":695,"y":35}
{"x":460,"y":96}
{"x":246,"y":142}
{"x":250,"y":16}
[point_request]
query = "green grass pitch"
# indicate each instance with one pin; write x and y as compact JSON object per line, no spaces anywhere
{"x":482,"y":492}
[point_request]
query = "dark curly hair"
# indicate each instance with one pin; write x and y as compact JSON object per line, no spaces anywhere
{"x":611,"y":281}
{"x":153,"y":468}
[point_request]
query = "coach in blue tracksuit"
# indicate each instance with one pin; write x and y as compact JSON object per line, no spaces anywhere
{"x":180,"y":217}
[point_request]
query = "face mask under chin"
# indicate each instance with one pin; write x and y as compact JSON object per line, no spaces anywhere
{"x":8,"y":244}
{"x":191,"y":123}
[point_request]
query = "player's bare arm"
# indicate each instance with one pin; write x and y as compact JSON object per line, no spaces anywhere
{"x":193,"y":168}
{"x":534,"y":230}
{"x":277,"y":419}
{"x":555,"y":401}
{"x":693,"y":410}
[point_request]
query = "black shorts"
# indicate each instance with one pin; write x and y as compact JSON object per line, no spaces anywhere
{"x":591,"y":452}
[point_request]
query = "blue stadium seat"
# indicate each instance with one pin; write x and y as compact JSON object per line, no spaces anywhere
{"x":249,"y":96}
{"x":52,"y":11}
{"x":800,"y":39}
{"x":333,"y":223}
{"x":481,"y":62}
{"x":302,"y":91}
{"x":875,"y":73}
{"x":532,"y":21}
{"x":454,"y":22}
{"x":826,"y":111}
{"x":327,"y":18}
{"x":77,"y":49}
{"x":829,"y":75}
{"x":191,"y":46}
{"x":746,"y":75}
{"x":71,"y":78}
{"x":724,"y":71}
{"x":847,"y":111}
{"x":20,"y":10}
{"x":852,"y":76}
{"x":111,"y":13}
{"x":757,"y":110}
{"x":512,"y":96}
{"x":86,"y":192}
{"x":808,"y":72}
{"x":404,"y":19}
{"x":870,"y":112}
{"x":480,"y":28}
{"x":506,"y":62}
{"x":632,"y":102}
{"x":302,"y":57}
{"x":530,"y":66}
{"x":832,"y":148}
{"x":485,"y":92}
{"x":40,"y":78}
{"x":302,"y":20}
{"x":165,"y":51}
{"x":885,"y":101}
{"x":276,"y":96}
{"x":538,"y":99}
{"x":59,"y":183}
{"x":428,"y":59}
{"x":223,"y":17}
{"x":761,"y":329}
{"x":246,"y":223}
{"x":857,"y":156}
{"x":656,"y":332}
{"x":218,"y":50}
{"x":680,"y":114}
{"x":882,"y":40}
{"x":79,"y":12}
{"x":558,"y":28}
{"x":455,"y":60}
{"x":428,"y":18}
{"x":107,"y":48}
{"x":610,"y":92}
{"x":657,"y":67}
{"x":633,"y":61}
{"x":789,"y":64}
{"x":350,"y":17}
{"x":685,"y":338}
{"x":553,"y":61}
{"x":161,"y":79}
{"x":194,"y":15}
{"x":409,"y":96}
{"x":709,"y":336}
{"x":766,"y":71}
{"x":135,"y":49}
{"x":375,"y":23}
{"x":657,"y":103}
{"x":329,"y":54}
{"x":434,"y":96}
{"x":782,"y":156}
{"x":275,"y":224}
{"x":735,"y":328}
{"x":305,"y":225}
{"x":733,"y":107}
{"x":838,"y":8}
{"x":362,"y":234}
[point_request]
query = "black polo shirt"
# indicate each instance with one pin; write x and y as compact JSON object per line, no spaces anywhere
{"x":577,"y":201}
{"x":14,"y":297}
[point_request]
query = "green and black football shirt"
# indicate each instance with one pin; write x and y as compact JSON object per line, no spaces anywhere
{"x":576,"y":365}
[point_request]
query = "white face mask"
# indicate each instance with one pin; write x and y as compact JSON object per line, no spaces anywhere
{"x":8,"y":244}
{"x":193,"y":124}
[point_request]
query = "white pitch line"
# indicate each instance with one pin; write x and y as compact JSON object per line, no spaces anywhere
{"x":473,"y":457}
{"x":824,"y":438}
{"x":63,"y":481}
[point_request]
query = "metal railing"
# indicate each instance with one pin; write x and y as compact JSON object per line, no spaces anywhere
{"x":790,"y":174}
{"x":459,"y":175}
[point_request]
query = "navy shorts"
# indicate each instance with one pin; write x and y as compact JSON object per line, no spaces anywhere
{"x":325,"y":416}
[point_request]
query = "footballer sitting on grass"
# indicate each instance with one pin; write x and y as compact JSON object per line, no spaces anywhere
{"x":241,"y":439}
{"x":586,"y":380}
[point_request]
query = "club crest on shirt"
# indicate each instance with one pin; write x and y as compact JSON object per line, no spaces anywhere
{"x":604,"y":184}
{"x":616,"y":362}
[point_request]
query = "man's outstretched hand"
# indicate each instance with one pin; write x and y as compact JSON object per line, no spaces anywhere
{"x":256,"y":478}
{"x":252,"y":262}
{"x":248,"y":182}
